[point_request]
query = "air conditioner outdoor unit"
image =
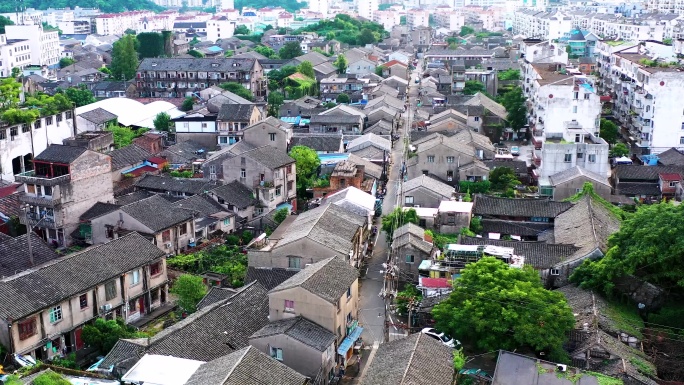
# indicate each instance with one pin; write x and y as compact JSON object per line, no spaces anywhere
{"x":417,"y":206}
{"x":107,"y":307}
{"x":191,"y":240}
{"x":168,"y":245}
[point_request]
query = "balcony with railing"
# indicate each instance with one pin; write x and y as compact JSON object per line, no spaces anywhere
{"x":41,"y":200}
{"x":42,"y":220}
{"x":31,"y":177}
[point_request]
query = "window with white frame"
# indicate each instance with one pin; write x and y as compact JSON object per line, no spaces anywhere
{"x":450,"y":159}
{"x":591,"y":158}
{"x":568,"y":158}
{"x":134,"y":277}
{"x":555,"y":272}
{"x":431,"y":159}
{"x":408,"y":200}
{"x":289,"y":306}
{"x":276,"y":353}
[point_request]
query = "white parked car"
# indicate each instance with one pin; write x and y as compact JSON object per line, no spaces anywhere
{"x":515,"y":150}
{"x":442,"y":337}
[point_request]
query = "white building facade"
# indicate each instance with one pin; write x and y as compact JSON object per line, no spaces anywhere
{"x":44,"y":44}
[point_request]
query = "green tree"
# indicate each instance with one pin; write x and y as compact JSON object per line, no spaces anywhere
{"x":619,"y":150}
{"x":509,"y":74}
{"x":609,"y":131}
{"x":459,"y":360}
{"x":648,"y":245}
{"x":341,"y":64}
{"x":130,"y":31}
{"x":103,"y":334}
{"x":151,"y":44}
{"x":106,"y":71}
{"x":65,"y":61}
{"x":19,"y":116}
{"x":503,"y":178}
{"x":290,"y":50}
{"x":241,"y":30}
{"x":190,"y":290}
{"x":398,"y":218}
{"x":162,"y":122}
{"x":452,"y":42}
{"x":473,"y":86}
{"x":4,"y":21}
{"x":79,"y":96}
{"x":306,"y":163}
{"x":516,"y":110}
{"x":366,"y":36}
{"x":495,"y":307}
{"x":343,"y":98}
{"x":124,"y":58}
{"x":465,"y":31}
{"x":123,"y":136}
{"x":188,"y":104}
{"x":10,"y":90}
{"x":275,"y":100}
{"x":306,"y":68}
{"x":229,"y":53}
{"x":402,"y":20}
{"x":239,"y":90}
{"x":280,"y":215}
{"x":266,"y":51}
{"x":195,"y":53}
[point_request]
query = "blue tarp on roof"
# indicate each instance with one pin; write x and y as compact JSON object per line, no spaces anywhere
{"x":214,"y":48}
{"x":349,"y":341}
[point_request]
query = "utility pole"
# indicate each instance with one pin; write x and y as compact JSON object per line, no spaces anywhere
{"x":29,"y":229}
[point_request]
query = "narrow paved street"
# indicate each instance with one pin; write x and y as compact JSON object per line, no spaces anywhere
{"x":372,"y":306}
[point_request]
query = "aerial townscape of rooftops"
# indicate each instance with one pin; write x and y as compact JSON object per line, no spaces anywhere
{"x":339,"y":192}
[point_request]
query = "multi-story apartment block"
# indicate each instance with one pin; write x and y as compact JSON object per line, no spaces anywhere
{"x":118,"y":23}
{"x":666,"y":6}
{"x":541,"y":25}
{"x":14,"y":53}
{"x":220,"y":27}
{"x":366,"y":8}
{"x":20,"y":142}
{"x":451,"y":20}
{"x":65,"y":182}
{"x":418,"y":18}
{"x":646,"y":98}
{"x":556,"y":96}
{"x":44,"y":44}
{"x":125,"y":278}
{"x":178,"y":77}
{"x":388,"y":19}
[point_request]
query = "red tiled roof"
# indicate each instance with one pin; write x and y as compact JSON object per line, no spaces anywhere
{"x":139,"y":171}
{"x":436,"y":283}
{"x":157,"y":160}
{"x":393,"y":62}
{"x":670,"y":176}
{"x":9,"y":189}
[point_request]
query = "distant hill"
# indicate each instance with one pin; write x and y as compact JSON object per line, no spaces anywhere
{"x":104,"y":5}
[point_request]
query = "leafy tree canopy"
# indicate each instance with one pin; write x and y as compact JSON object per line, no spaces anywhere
{"x":495,"y":307}
{"x":162,"y":122}
{"x":398,"y":218}
{"x":50,"y":378}
{"x":65,"y":61}
{"x":342,"y":98}
{"x":123,"y":136}
{"x":290,"y":50}
{"x":648,"y":245}
{"x":79,"y":96}
{"x":473,"y":86}
{"x":190,"y":290}
{"x":103,"y":334}
{"x":465,"y":31}
{"x":619,"y":149}
{"x":509,"y":74}
{"x":124,"y":58}
{"x":266,"y":51}
{"x":224,"y":259}
{"x":188,"y":103}
{"x":609,"y":131}
{"x":10,"y":89}
{"x":195,"y":53}
{"x":514,"y":101}
{"x":239,"y":90}
{"x":503,"y":178}
{"x":306,"y":68}
{"x":306,"y":163}
{"x":3,"y":22}
{"x":151,"y":44}
{"x":280,"y":215}
{"x":341,"y":64}
{"x":289,"y":5}
{"x":347,"y":30}
{"x":109,"y":6}
{"x":242,"y":30}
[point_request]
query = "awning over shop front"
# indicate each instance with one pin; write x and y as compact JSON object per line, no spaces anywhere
{"x":348,"y":342}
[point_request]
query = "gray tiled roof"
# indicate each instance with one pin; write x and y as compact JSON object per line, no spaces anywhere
{"x":430,"y":184}
{"x":156,"y":213}
{"x":587,"y":225}
{"x":269,"y":157}
{"x":268,"y":277}
{"x":318,"y":142}
{"x":200,"y":204}
{"x":196,"y":64}
{"x":214,"y":295}
{"x":98,"y":209}
{"x":217,"y":329}
{"x":316,"y":279}
{"x":301,"y":329}
{"x":525,"y":229}
{"x":14,"y":254}
{"x":49,"y":284}
{"x":235,"y":193}
{"x":133,"y":197}
{"x":486,"y":205}
{"x":247,"y":366}
{"x":124,"y":349}
{"x":540,"y":255}
{"x":575,"y":172}
{"x":183,"y":152}
{"x":370,"y":168}
{"x":518,"y":166}
{"x":128,"y":156}
{"x":166,"y":183}
{"x":235,"y":112}
{"x":98,"y":116}
{"x":638,"y":188}
{"x":513,"y":368}
{"x":411,"y":234}
{"x":416,"y":360}
{"x":671,"y":157}
{"x":629,"y":172}
{"x":330,"y":225}
{"x":57,"y":153}
{"x":335,"y":119}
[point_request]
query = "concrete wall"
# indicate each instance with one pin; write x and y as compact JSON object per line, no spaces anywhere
{"x":308,"y":250}
{"x":667,"y":132}
{"x":314,"y":308}
{"x":409,"y":270}
{"x":439,"y":167}
{"x":208,"y":139}
{"x":424,"y":197}
{"x":260,"y":135}
{"x":553,"y":158}
{"x":296,"y":355}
